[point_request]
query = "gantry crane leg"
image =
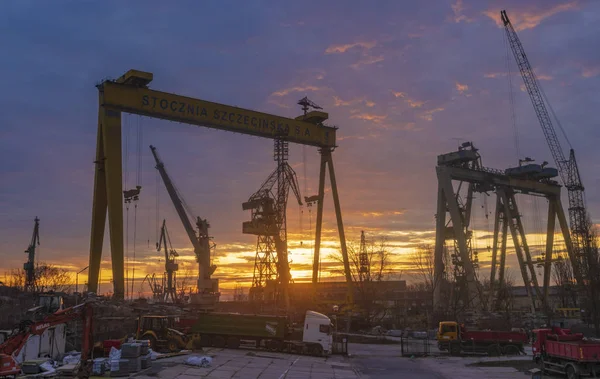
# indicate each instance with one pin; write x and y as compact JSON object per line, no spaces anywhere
{"x":327,"y":161}
{"x":511,"y":215}
{"x":494,"y":267}
{"x":108,"y":196}
{"x":459,"y":224}
{"x":440,"y":238}
{"x":549,"y":244}
{"x":321,"y":195}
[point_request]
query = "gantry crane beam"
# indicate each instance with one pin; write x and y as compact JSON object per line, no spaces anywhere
{"x":130,"y":93}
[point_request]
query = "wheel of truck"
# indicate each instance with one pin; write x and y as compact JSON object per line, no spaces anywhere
{"x":454,"y":348}
{"x":494,"y":350}
{"x":205,"y":340}
{"x":233,"y":342}
{"x":219,"y":341}
{"x":275,"y":345}
{"x":511,"y":350}
{"x":316,"y":350}
{"x":571,"y":372}
{"x":173,"y":346}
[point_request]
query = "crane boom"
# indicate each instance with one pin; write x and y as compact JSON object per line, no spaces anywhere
{"x":200,"y":241}
{"x":581,"y":236}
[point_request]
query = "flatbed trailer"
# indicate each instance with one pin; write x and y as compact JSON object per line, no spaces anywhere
{"x":261,"y":331}
{"x":559,"y":351}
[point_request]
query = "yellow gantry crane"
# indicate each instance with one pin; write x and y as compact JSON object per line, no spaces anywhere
{"x":130,"y":93}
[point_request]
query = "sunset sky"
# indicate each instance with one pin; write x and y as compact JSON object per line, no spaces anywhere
{"x":403,"y":80}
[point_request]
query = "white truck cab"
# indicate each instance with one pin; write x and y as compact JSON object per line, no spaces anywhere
{"x":318,"y":329}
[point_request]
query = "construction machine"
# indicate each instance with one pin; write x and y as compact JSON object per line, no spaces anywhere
{"x":161,"y":332}
{"x":26,"y":342}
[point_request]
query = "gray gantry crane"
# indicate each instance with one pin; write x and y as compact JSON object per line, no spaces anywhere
{"x":207,"y":288}
{"x":171,"y":266}
{"x":29,"y":266}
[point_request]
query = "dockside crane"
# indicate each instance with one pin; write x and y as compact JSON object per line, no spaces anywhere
{"x":171,"y":266}
{"x":207,"y":295}
{"x":268,"y":208}
{"x":29,"y":266}
{"x":584,"y":252}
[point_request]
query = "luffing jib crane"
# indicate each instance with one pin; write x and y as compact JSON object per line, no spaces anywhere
{"x":199,"y":239}
{"x":268,"y":207}
{"x":29,"y":266}
{"x":171,"y":265}
{"x":581,"y":236}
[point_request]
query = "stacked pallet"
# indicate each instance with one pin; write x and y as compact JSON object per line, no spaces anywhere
{"x":132,"y":352}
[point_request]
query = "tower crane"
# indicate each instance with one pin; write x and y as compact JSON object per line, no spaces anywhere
{"x":171,"y":266}
{"x":29,"y":266}
{"x":200,"y":240}
{"x":584,"y":254}
{"x":268,"y":208}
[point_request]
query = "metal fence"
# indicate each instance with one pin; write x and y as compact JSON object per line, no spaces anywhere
{"x":416,"y":347}
{"x":340,"y":344}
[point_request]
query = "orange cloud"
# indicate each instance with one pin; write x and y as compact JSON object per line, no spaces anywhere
{"x":370,"y":117}
{"x":494,"y":74}
{"x":415,"y":103}
{"x":458,"y":8}
{"x":380,"y":214}
{"x":428,"y":115}
{"x":287,"y":91}
{"x":398,"y":94}
{"x":461,"y":87}
{"x":530,"y":19}
{"x":590,"y":72}
{"x":338,"y":49}
{"x":366,"y":61}
{"x":338,"y":102}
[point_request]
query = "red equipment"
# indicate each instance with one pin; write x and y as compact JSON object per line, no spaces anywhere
{"x":10,"y":349}
{"x":563,"y":352}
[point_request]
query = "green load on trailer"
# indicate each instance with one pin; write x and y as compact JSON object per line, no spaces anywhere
{"x":242,"y":325}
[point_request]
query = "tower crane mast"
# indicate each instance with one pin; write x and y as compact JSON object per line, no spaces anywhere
{"x":581,"y":236}
{"x":29,"y":266}
{"x":200,"y":241}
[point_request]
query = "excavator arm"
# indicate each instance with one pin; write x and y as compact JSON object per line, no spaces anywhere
{"x":14,"y":344}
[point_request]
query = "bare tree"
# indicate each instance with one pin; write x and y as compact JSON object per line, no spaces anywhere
{"x":562,"y":274}
{"x":186,"y":280}
{"x":368,"y":295}
{"x":48,"y":277}
{"x":423,"y":259}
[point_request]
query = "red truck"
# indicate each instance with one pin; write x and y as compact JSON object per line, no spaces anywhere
{"x":456,"y":339}
{"x":562,"y":352}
